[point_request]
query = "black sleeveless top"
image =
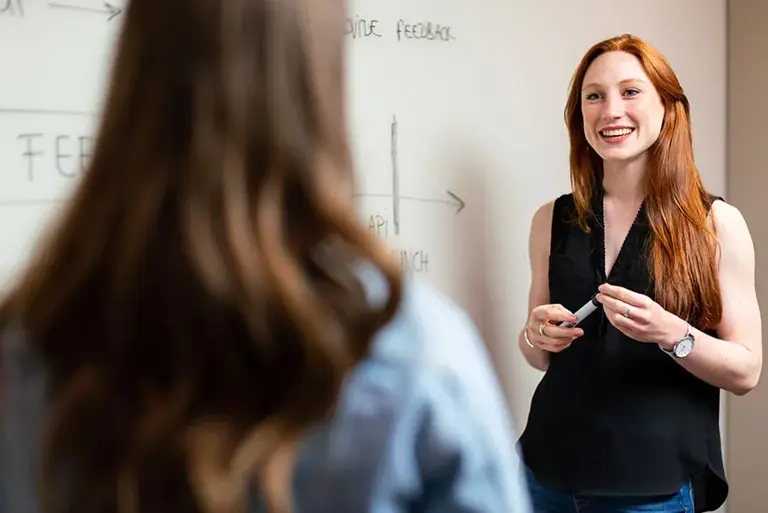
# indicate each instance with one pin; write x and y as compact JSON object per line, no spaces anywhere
{"x":613,"y":416}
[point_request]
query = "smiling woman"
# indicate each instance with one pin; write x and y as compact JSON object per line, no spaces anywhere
{"x":638,"y":383}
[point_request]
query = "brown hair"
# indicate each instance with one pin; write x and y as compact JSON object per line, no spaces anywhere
{"x":684,"y":244}
{"x":199,"y":302}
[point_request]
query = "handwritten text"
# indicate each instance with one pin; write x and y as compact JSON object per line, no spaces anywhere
{"x":359,"y":27}
{"x":67,"y":153}
{"x":414,"y":261}
{"x":423,"y":30}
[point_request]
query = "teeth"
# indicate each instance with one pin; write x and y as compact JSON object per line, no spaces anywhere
{"x":616,"y":132}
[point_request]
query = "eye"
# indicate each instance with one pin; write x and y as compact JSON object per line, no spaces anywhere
{"x":592,"y":96}
{"x":632,"y":92}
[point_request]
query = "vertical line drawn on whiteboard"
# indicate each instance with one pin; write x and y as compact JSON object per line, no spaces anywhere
{"x":395,"y":177}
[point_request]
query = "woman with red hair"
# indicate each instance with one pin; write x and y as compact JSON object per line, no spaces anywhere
{"x":626,"y":415}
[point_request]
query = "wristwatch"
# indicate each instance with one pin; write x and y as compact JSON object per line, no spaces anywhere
{"x":682,"y":347}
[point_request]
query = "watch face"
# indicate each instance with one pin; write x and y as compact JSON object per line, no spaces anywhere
{"x":684,"y":347}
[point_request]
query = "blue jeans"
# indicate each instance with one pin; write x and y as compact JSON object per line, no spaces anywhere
{"x":547,"y":501}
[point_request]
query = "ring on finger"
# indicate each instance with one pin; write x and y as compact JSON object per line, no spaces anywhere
{"x":626,"y":314}
{"x":541,"y":329}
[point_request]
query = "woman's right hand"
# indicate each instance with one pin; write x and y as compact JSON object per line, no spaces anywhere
{"x":543,"y":331}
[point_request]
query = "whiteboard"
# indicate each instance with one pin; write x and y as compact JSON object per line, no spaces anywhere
{"x":456,"y":122}
{"x":416,"y":69}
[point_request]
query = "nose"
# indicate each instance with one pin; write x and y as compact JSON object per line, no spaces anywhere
{"x":613,"y":107}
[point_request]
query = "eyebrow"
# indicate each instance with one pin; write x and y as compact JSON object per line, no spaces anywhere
{"x":625,"y":81}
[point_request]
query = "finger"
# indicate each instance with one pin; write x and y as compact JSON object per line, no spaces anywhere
{"x":621,"y":322}
{"x":549,"y":342}
{"x":546,"y":329}
{"x":559,"y":332}
{"x":554,"y":345}
{"x":636,"y":313}
{"x":612,"y":304}
{"x":554,"y":313}
{"x":556,"y":348}
{"x":623,"y":294}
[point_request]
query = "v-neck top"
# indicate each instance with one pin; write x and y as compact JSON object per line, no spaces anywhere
{"x":614,"y":416}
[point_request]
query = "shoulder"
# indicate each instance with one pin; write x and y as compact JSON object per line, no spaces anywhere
{"x":561,"y":209}
{"x":542,"y":217}
{"x":732,"y":231}
{"x":423,"y":412}
{"x":454,"y":416}
{"x":551,"y":219}
{"x":432,"y":338}
{"x":730,"y":226}
{"x":429,"y":333}
{"x":728,"y":219}
{"x":541,"y":222}
{"x":563,"y":204}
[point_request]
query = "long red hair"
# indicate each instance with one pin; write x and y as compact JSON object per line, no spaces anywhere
{"x":683,"y":247}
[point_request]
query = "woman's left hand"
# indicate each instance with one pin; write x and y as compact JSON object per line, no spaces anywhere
{"x":639,"y":317}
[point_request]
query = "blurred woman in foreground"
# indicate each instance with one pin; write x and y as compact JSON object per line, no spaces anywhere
{"x":208,"y":327}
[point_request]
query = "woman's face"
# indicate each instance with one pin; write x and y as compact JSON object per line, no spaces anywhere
{"x":622,"y":111}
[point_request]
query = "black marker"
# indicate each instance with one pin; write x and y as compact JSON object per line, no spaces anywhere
{"x":583,"y":312}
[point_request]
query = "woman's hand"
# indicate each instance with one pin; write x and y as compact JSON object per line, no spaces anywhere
{"x":543,"y":333}
{"x":639,"y":317}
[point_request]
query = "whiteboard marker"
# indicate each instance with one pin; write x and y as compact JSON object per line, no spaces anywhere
{"x":583,"y":312}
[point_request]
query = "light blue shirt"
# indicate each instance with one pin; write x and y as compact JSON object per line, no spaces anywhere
{"x":421,"y":425}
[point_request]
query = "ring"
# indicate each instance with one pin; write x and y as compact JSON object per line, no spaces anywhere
{"x":626,"y":314}
{"x":541,"y":329}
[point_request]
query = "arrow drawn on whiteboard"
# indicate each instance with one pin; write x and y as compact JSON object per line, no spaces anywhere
{"x":108,"y":8}
{"x":395,"y":177}
{"x":452,"y":199}
{"x":460,"y":203}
